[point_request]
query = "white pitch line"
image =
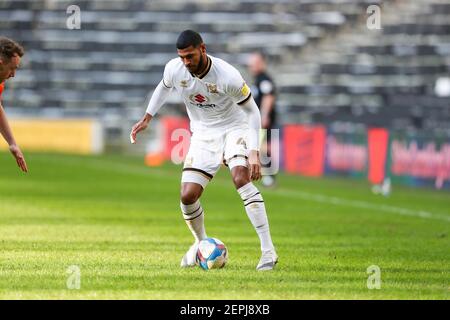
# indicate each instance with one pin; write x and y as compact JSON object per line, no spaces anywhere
{"x":360,"y":204}
{"x":100,"y":164}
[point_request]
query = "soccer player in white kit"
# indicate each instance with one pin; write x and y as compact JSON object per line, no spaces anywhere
{"x":225,"y":124}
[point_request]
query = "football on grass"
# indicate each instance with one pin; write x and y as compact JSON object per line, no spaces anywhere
{"x":211,"y":254}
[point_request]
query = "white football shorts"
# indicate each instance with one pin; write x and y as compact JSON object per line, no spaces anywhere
{"x":210,"y":149}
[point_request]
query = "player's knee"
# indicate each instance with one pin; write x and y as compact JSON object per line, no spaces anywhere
{"x":240,"y":176}
{"x":189,"y":195}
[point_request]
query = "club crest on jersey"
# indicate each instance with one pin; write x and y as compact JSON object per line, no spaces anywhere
{"x":212,"y":88}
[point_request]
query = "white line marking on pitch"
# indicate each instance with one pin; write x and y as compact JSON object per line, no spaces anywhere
{"x":360,"y":204}
{"x":99,"y":164}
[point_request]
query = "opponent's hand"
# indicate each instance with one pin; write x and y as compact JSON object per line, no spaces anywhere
{"x":255,"y":165}
{"x":139,"y":126}
{"x":20,"y":159}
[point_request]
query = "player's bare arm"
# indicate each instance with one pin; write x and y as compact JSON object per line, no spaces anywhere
{"x":140,"y":126}
{"x":254,"y":119}
{"x":255,"y":165}
{"x":267,"y":105}
{"x":156,"y":102}
{"x":10,"y":56}
{"x":6,"y":132}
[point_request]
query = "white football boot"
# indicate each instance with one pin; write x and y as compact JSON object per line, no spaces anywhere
{"x":189,"y":259}
{"x":386,"y":187}
{"x":268,"y":260}
{"x":268,"y":181}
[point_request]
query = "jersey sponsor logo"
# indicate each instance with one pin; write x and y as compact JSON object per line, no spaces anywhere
{"x":199,"y":99}
{"x":212,"y":87}
{"x":184,"y":83}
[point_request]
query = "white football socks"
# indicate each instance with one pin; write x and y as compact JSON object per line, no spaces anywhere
{"x":194,"y":217}
{"x":256,"y":211}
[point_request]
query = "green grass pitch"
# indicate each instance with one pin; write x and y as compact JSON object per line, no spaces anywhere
{"x":119,"y":222}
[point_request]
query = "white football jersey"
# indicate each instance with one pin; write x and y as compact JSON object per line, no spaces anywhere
{"x":212,"y":99}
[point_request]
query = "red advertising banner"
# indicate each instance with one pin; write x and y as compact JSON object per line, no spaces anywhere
{"x":304,"y":149}
{"x":426,"y":161}
{"x":347,"y":156}
{"x":378,"y":144}
{"x":175,"y":143}
{"x":414,"y":160}
{"x":170,"y":124}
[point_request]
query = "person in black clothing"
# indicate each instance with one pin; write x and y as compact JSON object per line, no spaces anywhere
{"x":264,"y":93}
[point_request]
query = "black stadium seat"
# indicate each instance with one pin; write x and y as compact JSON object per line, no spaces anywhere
{"x":325,"y":61}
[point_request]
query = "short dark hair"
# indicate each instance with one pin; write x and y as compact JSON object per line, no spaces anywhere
{"x":9,"y":48}
{"x":262,"y":53}
{"x":189,"y":38}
